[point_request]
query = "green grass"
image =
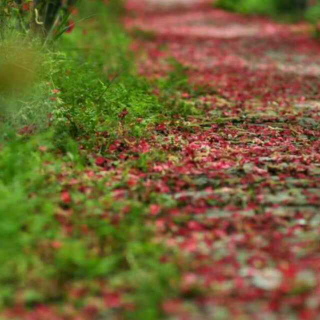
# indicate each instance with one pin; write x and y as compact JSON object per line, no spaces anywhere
{"x":285,"y":10}
{"x":50,"y":133}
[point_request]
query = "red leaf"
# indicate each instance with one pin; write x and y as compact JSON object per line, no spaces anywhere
{"x":65,"y":197}
{"x":100,"y":161}
{"x":113,"y":300}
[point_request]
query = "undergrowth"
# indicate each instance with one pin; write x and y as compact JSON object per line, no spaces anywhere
{"x":56,"y":235}
{"x":285,"y":10}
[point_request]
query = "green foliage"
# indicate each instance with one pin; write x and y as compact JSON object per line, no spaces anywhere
{"x":24,"y":210}
{"x":90,"y":104}
{"x":313,"y":15}
{"x":173,"y":87}
{"x":85,"y":86}
{"x":285,"y":10}
{"x":275,"y":8}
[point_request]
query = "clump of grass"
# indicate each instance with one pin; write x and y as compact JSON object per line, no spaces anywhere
{"x":177,"y":93}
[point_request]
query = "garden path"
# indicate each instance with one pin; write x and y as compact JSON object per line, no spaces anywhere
{"x":243,"y":166}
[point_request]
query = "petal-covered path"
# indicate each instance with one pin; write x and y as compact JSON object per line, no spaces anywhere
{"x":242,"y":171}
